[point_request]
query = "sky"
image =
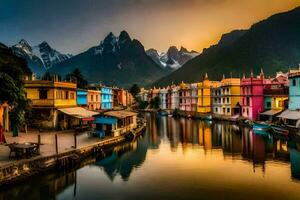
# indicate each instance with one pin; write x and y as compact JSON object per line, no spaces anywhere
{"x":73,"y":26}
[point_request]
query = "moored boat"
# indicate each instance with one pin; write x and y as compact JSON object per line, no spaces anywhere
{"x":280,"y":130}
{"x":261,"y":126}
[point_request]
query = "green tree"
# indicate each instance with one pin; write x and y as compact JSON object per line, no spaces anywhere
{"x":77,"y":76}
{"x":135,"y":89}
{"x":12,"y":72}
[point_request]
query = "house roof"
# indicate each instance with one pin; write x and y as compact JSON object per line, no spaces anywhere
{"x":121,"y":114}
{"x":271,"y":112}
{"x":290,"y":114}
{"x":78,"y":112}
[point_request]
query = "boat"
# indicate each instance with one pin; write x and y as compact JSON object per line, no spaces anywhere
{"x":131,"y":135}
{"x":162,"y":113}
{"x":261,"y":132}
{"x":281,"y":130}
{"x":261,"y":126}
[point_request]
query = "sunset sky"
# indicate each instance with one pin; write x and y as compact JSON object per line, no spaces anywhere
{"x":72,"y":26}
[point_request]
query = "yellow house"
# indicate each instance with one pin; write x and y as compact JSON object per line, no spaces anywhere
{"x":204,"y":95}
{"x":47,"y":97}
{"x":226,"y":97}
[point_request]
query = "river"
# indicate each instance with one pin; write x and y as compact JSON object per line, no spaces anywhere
{"x":179,"y":159}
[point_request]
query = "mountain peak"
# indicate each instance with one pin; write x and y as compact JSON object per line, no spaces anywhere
{"x":124,"y":36}
{"x":183,"y":50}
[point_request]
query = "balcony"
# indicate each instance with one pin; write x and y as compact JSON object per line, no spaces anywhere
{"x":42,"y":102}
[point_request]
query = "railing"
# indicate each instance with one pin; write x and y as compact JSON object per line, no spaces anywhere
{"x":42,"y":102}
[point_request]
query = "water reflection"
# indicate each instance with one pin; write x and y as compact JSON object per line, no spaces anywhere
{"x":180,"y":159}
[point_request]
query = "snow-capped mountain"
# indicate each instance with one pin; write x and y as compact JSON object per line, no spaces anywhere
{"x":173,"y":59}
{"x":116,"y":60}
{"x":40,"y":57}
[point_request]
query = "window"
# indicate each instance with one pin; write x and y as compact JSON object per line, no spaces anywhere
{"x":72,"y":95}
{"x":67,"y":94}
{"x":228,"y":110}
{"x":248,"y":101}
{"x":227,"y":99}
{"x":96,"y":97}
{"x":268,"y":104}
{"x":43,"y":94}
{"x":216,"y":110}
{"x":92,"y":97}
{"x":294,"y":82}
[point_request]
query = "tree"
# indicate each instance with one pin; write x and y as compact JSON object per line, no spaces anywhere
{"x":12,"y":72}
{"x":77,"y":76}
{"x":134,"y":90}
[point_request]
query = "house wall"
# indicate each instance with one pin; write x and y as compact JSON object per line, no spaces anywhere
{"x":294,"y":93}
{"x":94,"y":100}
{"x":106,"y":98}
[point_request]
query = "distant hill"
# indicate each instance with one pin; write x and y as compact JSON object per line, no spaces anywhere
{"x":119,"y":61}
{"x":272,"y":44}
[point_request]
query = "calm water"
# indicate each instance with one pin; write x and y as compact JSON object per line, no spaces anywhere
{"x":180,"y":159}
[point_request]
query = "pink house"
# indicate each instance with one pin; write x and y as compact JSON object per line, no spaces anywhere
{"x":252,"y":95}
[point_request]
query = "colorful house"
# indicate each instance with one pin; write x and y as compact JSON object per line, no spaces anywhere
{"x":275,"y":97}
{"x":194,"y":97}
{"x":204,"y":94}
{"x":82,"y":98}
{"x":163,"y":98}
{"x":106,"y":98}
{"x":47,"y":97}
{"x":4,"y":116}
{"x":252,"y":96}
{"x":226,"y":97}
{"x":184,"y":97}
{"x":174,"y":97}
{"x":122,"y":97}
{"x":115,"y":123}
{"x":291,"y":117}
{"x":94,"y":100}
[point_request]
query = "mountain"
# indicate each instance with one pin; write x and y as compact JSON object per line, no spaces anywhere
{"x":173,"y":59}
{"x":40,"y":57}
{"x":12,"y":64}
{"x":272,"y":44}
{"x":118,"y":61}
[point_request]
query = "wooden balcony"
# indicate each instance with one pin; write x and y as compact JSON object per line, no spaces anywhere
{"x":42,"y":102}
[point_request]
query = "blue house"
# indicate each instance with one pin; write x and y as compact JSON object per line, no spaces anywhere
{"x":81,"y":97}
{"x":294,"y":96}
{"x":106,"y":98}
{"x":291,"y":117}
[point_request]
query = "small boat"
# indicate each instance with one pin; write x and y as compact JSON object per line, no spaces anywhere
{"x":162,"y":113}
{"x":170,"y":115}
{"x":261,"y":126}
{"x":261,"y":132}
{"x":280,"y":130}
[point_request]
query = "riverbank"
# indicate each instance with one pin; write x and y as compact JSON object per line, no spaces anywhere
{"x":68,"y":155}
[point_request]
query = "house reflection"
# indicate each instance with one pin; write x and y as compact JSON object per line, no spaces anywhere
{"x":123,"y":159}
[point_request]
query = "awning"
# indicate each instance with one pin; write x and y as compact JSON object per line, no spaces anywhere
{"x":271,"y":112}
{"x":290,"y":114}
{"x":80,"y":113}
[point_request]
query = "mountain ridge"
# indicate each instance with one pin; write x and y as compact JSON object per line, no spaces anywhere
{"x":272,"y":44}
